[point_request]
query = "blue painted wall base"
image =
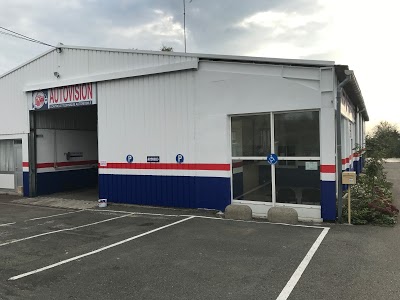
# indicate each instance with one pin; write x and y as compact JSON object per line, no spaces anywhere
{"x":328,"y":200}
{"x":55,"y":182}
{"x":25,"y":182}
{"x":172,"y":191}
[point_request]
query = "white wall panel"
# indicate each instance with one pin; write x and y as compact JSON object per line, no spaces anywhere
{"x":228,"y":93}
{"x":7,"y":181}
{"x":66,"y":141}
{"x":147,"y":116}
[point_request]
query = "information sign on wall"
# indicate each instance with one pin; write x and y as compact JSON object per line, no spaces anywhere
{"x":153,"y":159}
{"x":65,"y":96}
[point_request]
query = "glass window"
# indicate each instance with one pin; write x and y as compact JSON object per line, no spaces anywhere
{"x":297,"y":133}
{"x":251,"y":135}
{"x":6,"y":156}
{"x":252,"y":180}
{"x":298,"y":183}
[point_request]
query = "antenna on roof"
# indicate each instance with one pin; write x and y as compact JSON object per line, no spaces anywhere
{"x":184,"y":21}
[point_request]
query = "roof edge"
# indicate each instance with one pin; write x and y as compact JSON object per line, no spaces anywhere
{"x":353,"y":90}
{"x":309,"y":62}
{"x":219,"y":57}
{"x":26,"y":63}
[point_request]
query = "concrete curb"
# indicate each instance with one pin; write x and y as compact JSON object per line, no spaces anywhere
{"x":283,"y":215}
{"x":238,"y":212}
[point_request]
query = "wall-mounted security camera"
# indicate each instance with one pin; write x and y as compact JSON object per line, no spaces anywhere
{"x":57,"y":74}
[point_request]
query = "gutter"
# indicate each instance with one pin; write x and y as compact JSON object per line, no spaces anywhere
{"x":349,"y":77}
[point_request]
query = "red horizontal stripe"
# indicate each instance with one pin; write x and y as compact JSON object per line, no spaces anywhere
{"x":168,"y":166}
{"x":25,"y":164}
{"x":66,"y":164}
{"x":327,"y":169}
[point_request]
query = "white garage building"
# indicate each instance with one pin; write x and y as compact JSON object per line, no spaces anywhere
{"x":179,"y":130}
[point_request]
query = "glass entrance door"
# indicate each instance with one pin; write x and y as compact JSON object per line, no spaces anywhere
{"x":294,"y":138}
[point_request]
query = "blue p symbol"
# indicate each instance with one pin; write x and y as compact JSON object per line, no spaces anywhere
{"x":179,"y":158}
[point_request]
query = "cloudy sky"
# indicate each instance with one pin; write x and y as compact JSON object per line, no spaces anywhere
{"x":358,"y":33}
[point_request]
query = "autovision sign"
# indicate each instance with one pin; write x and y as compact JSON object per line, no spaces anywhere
{"x":66,"y":96}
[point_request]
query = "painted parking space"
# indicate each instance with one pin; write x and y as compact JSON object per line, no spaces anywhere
{"x":39,"y":228}
{"x":12,"y":212}
{"x":146,"y":256}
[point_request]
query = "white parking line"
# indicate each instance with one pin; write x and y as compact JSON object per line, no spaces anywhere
{"x":213,"y":218}
{"x":7,"y":224}
{"x":61,"y":230}
{"x":97,"y":251}
{"x":261,"y":222}
{"x":287,"y":290}
{"x":138,"y":213}
{"x":67,"y":213}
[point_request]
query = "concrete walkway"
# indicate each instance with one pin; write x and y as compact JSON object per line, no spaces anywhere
{"x":356,"y":262}
{"x":393,"y":175}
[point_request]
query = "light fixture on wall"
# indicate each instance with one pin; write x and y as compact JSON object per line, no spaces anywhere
{"x":56,"y":74}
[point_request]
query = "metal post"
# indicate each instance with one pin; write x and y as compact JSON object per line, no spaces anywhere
{"x":349,"y":206}
{"x":339,"y":145}
{"x":32,"y":155}
{"x":184,"y":23}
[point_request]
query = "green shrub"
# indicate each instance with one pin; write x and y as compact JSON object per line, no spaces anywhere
{"x":371,"y":197}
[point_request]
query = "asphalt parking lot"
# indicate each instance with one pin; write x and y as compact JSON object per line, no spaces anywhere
{"x":48,"y":253}
{"x":198,"y":258}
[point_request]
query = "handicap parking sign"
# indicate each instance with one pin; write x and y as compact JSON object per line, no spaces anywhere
{"x":272,"y":159}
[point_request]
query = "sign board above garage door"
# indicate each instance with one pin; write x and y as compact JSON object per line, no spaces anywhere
{"x":65,"y":96}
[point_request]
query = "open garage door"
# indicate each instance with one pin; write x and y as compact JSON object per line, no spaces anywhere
{"x":64,"y":142}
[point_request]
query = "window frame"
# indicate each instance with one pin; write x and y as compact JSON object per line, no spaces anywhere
{"x":272,"y":150}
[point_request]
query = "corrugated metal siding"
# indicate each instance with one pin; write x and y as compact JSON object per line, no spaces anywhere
{"x":151,"y":115}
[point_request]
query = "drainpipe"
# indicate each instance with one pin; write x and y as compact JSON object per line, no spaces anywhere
{"x":339,"y":88}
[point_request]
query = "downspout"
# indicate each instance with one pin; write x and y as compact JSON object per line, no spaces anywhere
{"x":339,"y":88}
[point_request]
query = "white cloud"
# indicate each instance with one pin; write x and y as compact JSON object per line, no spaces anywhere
{"x":280,"y":20}
{"x":164,"y":26}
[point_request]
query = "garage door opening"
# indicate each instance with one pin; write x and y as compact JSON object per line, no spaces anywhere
{"x":66,"y":150}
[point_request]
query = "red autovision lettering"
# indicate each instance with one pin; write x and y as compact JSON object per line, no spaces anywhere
{"x":65,"y":94}
{"x":77,"y":96}
{"x":71,"y":93}
{"x":84,"y":95}
{"x":90,"y":91}
{"x":51,"y":96}
{"x":55,"y":95}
